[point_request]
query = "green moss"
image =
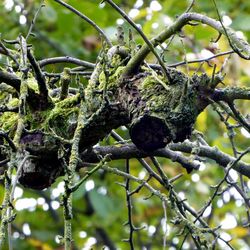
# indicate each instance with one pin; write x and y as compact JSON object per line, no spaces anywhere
{"x":13,"y":103}
{"x":67,"y":103}
{"x":62,"y":122}
{"x":35,"y":119}
{"x":62,"y":118}
{"x":32,"y":84}
{"x":113,"y":79}
{"x":160,"y":96}
{"x":8,"y":121}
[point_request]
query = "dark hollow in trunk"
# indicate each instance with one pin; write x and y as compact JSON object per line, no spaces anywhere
{"x":149,"y":133}
{"x":160,"y":111}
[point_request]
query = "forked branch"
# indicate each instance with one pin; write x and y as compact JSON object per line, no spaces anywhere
{"x":183,"y":20}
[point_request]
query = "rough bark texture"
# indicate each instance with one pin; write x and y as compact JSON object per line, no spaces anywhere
{"x":156,"y":110}
{"x":40,"y":172}
{"x":162,"y":111}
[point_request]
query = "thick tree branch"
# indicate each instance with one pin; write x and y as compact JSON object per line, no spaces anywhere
{"x":129,"y":151}
{"x":10,"y":79}
{"x":230,"y":94}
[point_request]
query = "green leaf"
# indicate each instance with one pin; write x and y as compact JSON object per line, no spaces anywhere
{"x":241,"y":22}
{"x":104,"y":206}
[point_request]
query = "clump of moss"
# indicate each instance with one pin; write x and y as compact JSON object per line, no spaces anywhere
{"x":62,"y":118}
{"x":62,"y":122}
{"x":113,"y":79}
{"x":8,"y":121}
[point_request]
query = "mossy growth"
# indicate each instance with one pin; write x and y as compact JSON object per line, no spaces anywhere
{"x":106,"y":76}
{"x":8,"y":121}
{"x":62,"y":119}
{"x":32,"y":84}
{"x":163,"y":110}
{"x":113,"y":79}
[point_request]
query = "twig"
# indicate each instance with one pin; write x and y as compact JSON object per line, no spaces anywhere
{"x":7,"y":138}
{"x":129,"y":207}
{"x":231,"y":42}
{"x":146,"y":40}
{"x":65,"y":82}
{"x":70,"y":173}
{"x":88,"y":174}
{"x":43,"y":91}
{"x":78,"y":13}
{"x":202,"y":59}
{"x":66,"y":59}
{"x":6,"y":218}
{"x":7,"y":52}
{"x":12,"y":192}
{"x":190,"y":6}
{"x":239,"y":116}
{"x":34,"y":19}
{"x":10,"y":79}
{"x":23,"y":92}
{"x":183,"y":20}
{"x":4,"y":162}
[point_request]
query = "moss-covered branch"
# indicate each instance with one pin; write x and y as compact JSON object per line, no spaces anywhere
{"x":230,"y":94}
{"x":157,"y":109}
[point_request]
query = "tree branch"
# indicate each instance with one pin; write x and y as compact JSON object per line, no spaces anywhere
{"x":10,"y":79}
{"x":43,"y":91}
{"x":212,"y":153}
{"x":230,"y":94}
{"x":144,"y":37}
{"x":78,"y":13}
{"x":183,"y":20}
{"x":129,"y":151}
{"x":66,"y":59}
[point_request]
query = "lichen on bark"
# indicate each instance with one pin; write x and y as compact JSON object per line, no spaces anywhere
{"x":156,"y":109}
{"x":162,"y":111}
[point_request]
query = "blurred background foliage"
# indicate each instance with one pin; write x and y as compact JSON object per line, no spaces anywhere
{"x":100,"y":205}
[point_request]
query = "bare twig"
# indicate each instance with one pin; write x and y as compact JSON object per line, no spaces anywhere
{"x":78,"y":13}
{"x":34,"y":19}
{"x":129,"y":207}
{"x":202,"y":59}
{"x":8,"y":53}
{"x":147,"y":41}
{"x":183,"y":20}
{"x":227,"y":34}
{"x":239,"y":116}
{"x":43,"y":91}
{"x":66,"y":59}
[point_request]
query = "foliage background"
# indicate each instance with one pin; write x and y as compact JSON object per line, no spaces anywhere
{"x":100,"y":205}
